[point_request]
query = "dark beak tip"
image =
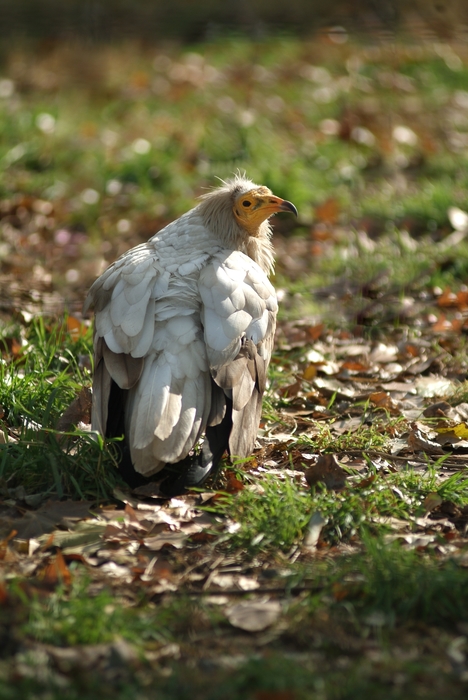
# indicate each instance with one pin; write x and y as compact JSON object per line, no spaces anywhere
{"x":289,"y":206}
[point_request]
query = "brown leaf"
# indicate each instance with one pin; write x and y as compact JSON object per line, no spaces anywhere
{"x":447,"y":298}
{"x":76,"y":328}
{"x":314,"y":332}
{"x":437,"y":410}
{"x":328,"y":471}
{"x":382,"y":400}
{"x":56,"y":571}
{"x":328,"y":211}
{"x":442,"y":324}
{"x":354,"y":366}
{"x":291,"y":390}
{"x":364,"y":483}
{"x":419,"y":443}
{"x":38,"y":522}
{"x":79,"y":411}
{"x":340,"y":592}
{"x":233,"y":484}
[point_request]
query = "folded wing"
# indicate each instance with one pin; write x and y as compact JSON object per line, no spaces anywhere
{"x":238,"y":317}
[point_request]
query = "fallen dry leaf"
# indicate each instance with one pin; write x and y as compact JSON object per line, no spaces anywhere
{"x":460,"y":430}
{"x":76,"y":328}
{"x":382,"y":400}
{"x":33,"y":524}
{"x":79,"y":411}
{"x":328,"y":471}
{"x":174,"y":539}
{"x":419,"y":443}
{"x":56,"y":571}
{"x":253,"y":616}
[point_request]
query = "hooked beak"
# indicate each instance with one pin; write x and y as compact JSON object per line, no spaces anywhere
{"x":288,"y":206}
{"x":278,"y":204}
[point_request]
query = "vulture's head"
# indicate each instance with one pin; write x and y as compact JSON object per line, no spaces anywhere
{"x":238,"y":214}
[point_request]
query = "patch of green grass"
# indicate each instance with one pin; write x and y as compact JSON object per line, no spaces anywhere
{"x":35,"y":389}
{"x":45,"y":376}
{"x":75,"y":615}
{"x":368,"y":437}
{"x":406,"y":586}
{"x":273,"y":514}
{"x":76,"y":465}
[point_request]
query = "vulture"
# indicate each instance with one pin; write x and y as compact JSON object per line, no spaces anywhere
{"x":183,"y":334}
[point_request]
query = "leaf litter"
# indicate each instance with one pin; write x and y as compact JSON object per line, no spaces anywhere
{"x":351,"y":408}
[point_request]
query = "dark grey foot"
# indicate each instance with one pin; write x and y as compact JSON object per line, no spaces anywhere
{"x":190,"y":472}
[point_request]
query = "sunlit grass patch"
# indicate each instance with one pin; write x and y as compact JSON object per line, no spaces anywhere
{"x":79,"y":615}
{"x":367,"y":437}
{"x":273,"y":514}
{"x":36,"y":386}
{"x":77,"y":465}
{"x":67,"y":618}
{"x":403,"y":585}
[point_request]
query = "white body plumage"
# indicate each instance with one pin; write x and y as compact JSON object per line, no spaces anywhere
{"x":184,"y":322}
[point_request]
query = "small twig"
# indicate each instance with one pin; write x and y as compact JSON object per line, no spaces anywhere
{"x":238,"y":591}
{"x":412,"y":458}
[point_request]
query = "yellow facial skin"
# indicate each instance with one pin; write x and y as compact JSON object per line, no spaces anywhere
{"x":254,"y":207}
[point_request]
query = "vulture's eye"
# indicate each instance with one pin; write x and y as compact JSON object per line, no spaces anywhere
{"x":246,"y":203}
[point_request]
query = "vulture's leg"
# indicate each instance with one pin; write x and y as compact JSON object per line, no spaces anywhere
{"x":115,"y":428}
{"x":194,"y":470}
{"x":191,"y":471}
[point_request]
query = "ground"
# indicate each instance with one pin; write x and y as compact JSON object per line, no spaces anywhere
{"x":332,"y":563}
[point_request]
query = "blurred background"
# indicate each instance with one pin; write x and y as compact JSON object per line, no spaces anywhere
{"x":115,"y":116}
{"x":185,"y":20}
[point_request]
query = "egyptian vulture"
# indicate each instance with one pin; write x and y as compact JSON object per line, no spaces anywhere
{"x":184,"y":327}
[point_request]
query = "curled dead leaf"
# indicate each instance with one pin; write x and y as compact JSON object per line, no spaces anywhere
{"x":419,"y":443}
{"x":79,"y":411}
{"x":56,"y":571}
{"x":382,"y":400}
{"x":326,"y":470}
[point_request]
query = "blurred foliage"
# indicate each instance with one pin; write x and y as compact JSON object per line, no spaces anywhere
{"x":105,"y":20}
{"x":101,"y":148}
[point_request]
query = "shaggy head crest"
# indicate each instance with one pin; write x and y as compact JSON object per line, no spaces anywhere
{"x":238,"y":184}
{"x":237,"y":213}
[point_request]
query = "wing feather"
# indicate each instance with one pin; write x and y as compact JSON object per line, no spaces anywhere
{"x":238,"y":315}
{"x":152,"y":394}
{"x":124,"y":369}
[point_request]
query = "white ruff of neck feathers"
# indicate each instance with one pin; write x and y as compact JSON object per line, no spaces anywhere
{"x":216,"y":210}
